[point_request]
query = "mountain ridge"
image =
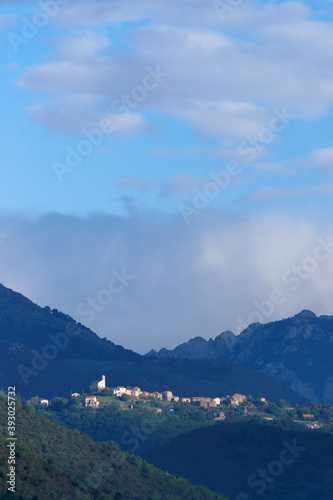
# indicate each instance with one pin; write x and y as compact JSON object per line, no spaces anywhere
{"x":296,"y":351}
{"x":47,"y":353}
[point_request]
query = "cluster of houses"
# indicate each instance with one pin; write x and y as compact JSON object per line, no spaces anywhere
{"x":99,"y":385}
{"x":234,"y":400}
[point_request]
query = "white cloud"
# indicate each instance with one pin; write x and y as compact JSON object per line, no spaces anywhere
{"x":79,"y":113}
{"x":322,"y":158}
{"x":103,"y":12}
{"x":225,"y":119}
{"x":67,"y":76}
{"x":189,"y":280}
{"x":83,"y":47}
{"x":220,"y":82}
{"x":128,"y":125}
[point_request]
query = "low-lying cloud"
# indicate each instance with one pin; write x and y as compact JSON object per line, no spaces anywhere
{"x":189,"y":280}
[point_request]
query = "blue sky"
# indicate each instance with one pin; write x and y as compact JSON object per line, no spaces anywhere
{"x":204,"y":88}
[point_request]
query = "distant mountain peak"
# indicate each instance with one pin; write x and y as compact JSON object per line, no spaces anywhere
{"x":197,"y":339}
{"x":152,"y":352}
{"x":296,"y":351}
{"x":306,"y":313}
{"x":226,"y":335}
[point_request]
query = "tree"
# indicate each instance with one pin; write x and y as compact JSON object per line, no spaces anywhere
{"x":273,"y":409}
{"x":326,"y":414}
{"x":106,"y":392}
{"x":300,"y":412}
{"x":281,"y":403}
{"x":59,"y":404}
{"x":74,"y":406}
{"x":29,"y":409}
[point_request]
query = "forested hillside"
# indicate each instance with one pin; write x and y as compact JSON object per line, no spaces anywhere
{"x":228,"y":457}
{"x":72,"y":465}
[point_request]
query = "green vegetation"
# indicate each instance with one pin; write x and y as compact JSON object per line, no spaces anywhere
{"x":288,"y":417}
{"x":136,"y":429}
{"x":35,"y":478}
{"x":224,"y":457}
{"x":54,"y":462}
{"x":139,"y":425}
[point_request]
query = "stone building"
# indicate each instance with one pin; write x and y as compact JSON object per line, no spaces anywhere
{"x":98,"y":385}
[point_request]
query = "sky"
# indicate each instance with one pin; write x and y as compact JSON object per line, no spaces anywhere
{"x":167,"y":166}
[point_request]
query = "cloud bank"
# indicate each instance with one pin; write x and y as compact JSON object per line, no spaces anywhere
{"x":192,"y":280}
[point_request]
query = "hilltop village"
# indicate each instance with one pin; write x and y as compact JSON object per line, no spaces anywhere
{"x":100,"y":395}
{"x":136,"y":392}
{"x":133,"y":393}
